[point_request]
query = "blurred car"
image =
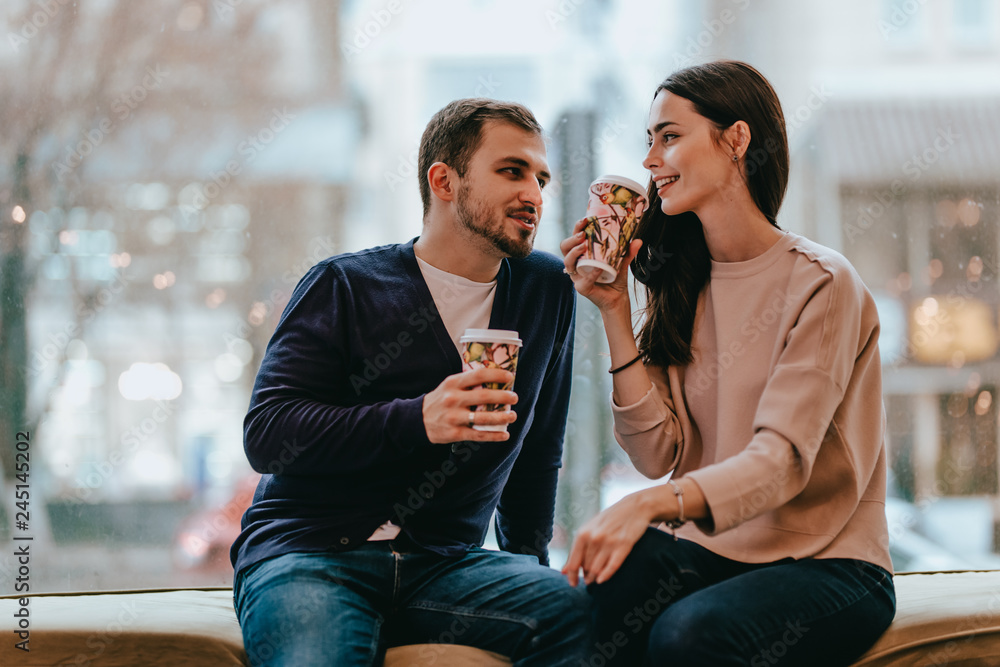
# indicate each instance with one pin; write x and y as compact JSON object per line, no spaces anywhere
{"x":203,"y":539}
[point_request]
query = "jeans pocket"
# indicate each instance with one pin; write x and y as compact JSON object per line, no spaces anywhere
{"x":240,"y":581}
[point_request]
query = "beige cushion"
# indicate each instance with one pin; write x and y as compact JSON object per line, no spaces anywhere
{"x":194,"y":628}
{"x":946,"y":618}
{"x":942,"y":618}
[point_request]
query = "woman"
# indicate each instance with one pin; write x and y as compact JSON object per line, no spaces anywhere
{"x":759,"y":389}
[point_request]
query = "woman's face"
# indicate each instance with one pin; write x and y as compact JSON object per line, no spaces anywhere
{"x":689,"y":167}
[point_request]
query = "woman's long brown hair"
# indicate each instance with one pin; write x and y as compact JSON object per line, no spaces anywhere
{"x":674,"y":263}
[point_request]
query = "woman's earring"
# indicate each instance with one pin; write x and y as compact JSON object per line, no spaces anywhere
{"x":735,"y":158}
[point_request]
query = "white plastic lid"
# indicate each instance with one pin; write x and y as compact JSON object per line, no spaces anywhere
{"x":620,"y":180}
{"x":490,"y":336}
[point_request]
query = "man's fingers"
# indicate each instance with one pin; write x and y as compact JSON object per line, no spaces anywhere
{"x":478,"y":376}
{"x":473,"y":397}
{"x":471,"y":417}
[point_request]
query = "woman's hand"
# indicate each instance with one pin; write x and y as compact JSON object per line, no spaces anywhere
{"x":606,"y":296}
{"x":602,"y":544}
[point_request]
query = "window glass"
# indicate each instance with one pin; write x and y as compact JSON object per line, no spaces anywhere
{"x":172,"y":168}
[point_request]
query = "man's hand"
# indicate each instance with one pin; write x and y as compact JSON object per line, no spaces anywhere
{"x":447,"y":408}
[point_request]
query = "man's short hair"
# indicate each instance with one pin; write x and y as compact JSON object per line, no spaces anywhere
{"x":455,"y":133}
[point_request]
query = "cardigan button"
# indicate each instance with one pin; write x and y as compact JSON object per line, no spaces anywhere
{"x":345,"y":540}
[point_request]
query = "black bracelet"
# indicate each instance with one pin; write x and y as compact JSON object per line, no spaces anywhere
{"x":625,"y":365}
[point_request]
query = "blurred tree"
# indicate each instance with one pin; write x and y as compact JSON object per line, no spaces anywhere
{"x":70,"y":75}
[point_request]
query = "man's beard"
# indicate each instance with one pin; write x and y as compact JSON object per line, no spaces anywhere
{"x":483,"y":221}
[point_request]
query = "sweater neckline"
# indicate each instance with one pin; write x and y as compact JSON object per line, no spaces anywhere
{"x":498,"y":316}
{"x":757,"y":264}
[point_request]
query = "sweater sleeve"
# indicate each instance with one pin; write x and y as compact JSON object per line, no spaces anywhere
{"x":649,"y":430}
{"x":295,"y":424}
{"x":526,"y":511}
{"x":796,"y":410}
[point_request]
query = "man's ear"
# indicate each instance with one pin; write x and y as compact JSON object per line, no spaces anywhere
{"x":442,"y":181}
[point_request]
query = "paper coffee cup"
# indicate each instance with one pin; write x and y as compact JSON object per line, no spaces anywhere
{"x":614,"y":208}
{"x":491,"y":348}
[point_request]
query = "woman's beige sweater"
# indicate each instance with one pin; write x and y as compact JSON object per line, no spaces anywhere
{"x":779,"y":418}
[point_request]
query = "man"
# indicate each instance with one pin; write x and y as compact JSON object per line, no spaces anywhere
{"x":366,"y":528}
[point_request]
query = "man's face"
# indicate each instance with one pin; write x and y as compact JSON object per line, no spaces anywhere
{"x":499,"y":199}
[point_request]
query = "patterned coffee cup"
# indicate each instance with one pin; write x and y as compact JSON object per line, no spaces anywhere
{"x":614,"y":208}
{"x":491,"y":348}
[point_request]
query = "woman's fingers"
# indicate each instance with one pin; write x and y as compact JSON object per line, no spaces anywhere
{"x":576,"y":237}
{"x":621,"y":280}
{"x":575,"y":561}
{"x":615,"y":560}
{"x":571,"y":242}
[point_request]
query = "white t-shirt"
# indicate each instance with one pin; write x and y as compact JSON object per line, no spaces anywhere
{"x":463,"y":304}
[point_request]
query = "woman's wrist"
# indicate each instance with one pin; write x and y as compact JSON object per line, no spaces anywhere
{"x":655,"y":503}
{"x":617,"y":310}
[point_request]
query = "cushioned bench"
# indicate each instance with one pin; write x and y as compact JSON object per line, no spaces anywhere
{"x":948,"y":618}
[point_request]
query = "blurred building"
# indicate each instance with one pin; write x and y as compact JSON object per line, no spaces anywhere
{"x":166,"y":236}
{"x":893,"y":110}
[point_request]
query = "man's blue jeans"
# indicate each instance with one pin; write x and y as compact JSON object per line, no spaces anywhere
{"x":676,"y":603}
{"x":304,"y":609}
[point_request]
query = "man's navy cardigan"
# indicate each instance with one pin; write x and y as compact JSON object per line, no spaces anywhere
{"x":336,"y":423}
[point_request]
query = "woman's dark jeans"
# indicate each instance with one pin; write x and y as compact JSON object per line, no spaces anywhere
{"x":676,"y":603}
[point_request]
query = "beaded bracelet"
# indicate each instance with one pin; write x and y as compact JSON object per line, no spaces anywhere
{"x":626,"y":364}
